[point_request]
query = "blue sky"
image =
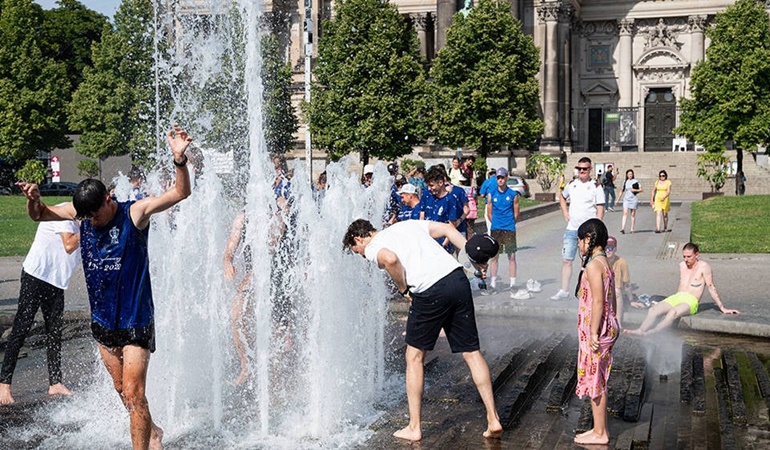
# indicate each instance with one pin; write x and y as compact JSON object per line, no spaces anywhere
{"x":106,"y":7}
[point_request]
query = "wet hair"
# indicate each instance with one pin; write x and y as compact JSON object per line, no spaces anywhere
{"x":436,"y":174}
{"x":135,"y":174}
{"x":691,"y":246}
{"x":597,"y":232}
{"x":88,"y":197}
{"x":360,"y":228}
{"x":322,"y":177}
{"x":631,"y":171}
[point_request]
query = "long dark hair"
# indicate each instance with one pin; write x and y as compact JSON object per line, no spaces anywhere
{"x":596,"y":231}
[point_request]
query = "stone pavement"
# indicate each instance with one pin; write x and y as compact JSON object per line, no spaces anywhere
{"x":652,"y":258}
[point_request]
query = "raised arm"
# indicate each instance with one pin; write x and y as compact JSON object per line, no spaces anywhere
{"x":178,"y":140}
{"x":40,"y":212}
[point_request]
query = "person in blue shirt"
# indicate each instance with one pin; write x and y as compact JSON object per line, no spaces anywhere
{"x":503,"y":211}
{"x":116,"y":264}
{"x":438,"y":204}
{"x":410,"y":203}
{"x":486,"y":188}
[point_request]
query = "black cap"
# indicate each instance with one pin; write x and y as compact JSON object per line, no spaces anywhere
{"x":481,"y":247}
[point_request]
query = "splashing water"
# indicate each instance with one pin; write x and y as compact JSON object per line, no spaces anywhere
{"x":314,"y":315}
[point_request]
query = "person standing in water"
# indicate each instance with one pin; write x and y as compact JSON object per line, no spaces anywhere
{"x":116,"y":264}
{"x":598,"y":327}
{"x":441,"y":298}
{"x":45,"y":275}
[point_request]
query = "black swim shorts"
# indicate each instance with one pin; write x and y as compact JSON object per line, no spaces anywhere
{"x":448,"y":304}
{"x":143,"y":337}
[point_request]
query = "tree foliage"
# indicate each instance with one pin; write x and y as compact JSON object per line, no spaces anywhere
{"x":730,"y":89}
{"x":712,"y":167}
{"x":484,"y":92}
{"x":69,"y":31}
{"x":114,"y":106}
{"x":280,"y":122}
{"x":33,"y":171}
{"x":88,"y":168}
{"x":547,"y":169}
{"x":369,"y":78}
{"x":33,"y":88}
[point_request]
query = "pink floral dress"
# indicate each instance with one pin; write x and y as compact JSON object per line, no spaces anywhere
{"x":593,"y":367}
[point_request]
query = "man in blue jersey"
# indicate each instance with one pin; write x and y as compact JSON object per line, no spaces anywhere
{"x":486,"y":188}
{"x":114,"y":251}
{"x":410,"y":203}
{"x":437,"y":204}
{"x":503,"y":211}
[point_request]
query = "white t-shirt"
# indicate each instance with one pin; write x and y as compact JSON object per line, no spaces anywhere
{"x":583,"y":199}
{"x":424,"y":260}
{"x":47,"y":260}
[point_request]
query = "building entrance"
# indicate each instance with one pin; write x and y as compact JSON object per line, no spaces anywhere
{"x":659,"y":120}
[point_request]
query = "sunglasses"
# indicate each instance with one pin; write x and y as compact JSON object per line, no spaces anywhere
{"x":662,"y":175}
{"x":610,"y":248}
{"x":582,"y":169}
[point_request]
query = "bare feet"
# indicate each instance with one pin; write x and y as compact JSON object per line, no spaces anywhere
{"x":584,"y":434}
{"x":636,"y":332}
{"x":5,"y":394}
{"x":58,"y":389}
{"x":408,"y":434}
{"x":156,"y":438}
{"x":592,"y":439}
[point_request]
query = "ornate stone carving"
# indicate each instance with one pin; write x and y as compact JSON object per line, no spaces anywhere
{"x":697,"y":23}
{"x":626,"y":26}
{"x":548,"y":12}
{"x":661,"y":36}
{"x":420,"y":21}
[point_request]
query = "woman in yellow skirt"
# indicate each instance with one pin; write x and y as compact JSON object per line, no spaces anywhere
{"x":661,"y":201}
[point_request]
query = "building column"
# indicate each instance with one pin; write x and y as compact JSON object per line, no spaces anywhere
{"x":549,"y":13}
{"x":515,"y":9}
{"x":625,"y":73}
{"x":565,"y":114}
{"x":420,"y":21}
{"x":445,"y":9}
{"x":697,"y":25}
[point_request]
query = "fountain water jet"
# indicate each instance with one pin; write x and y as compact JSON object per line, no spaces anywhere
{"x":314,"y":382}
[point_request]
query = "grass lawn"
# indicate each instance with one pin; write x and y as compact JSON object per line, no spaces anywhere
{"x":17,"y":230}
{"x":731,"y":224}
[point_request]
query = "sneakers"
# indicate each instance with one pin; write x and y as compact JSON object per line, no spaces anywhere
{"x":521,"y":294}
{"x":561,"y":295}
{"x":534,"y":286}
{"x":487,"y":291}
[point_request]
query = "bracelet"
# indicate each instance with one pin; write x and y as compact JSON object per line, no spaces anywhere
{"x":406,"y":291}
{"x":181,"y":164}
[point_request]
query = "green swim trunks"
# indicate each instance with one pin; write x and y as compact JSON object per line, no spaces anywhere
{"x":683,"y":297}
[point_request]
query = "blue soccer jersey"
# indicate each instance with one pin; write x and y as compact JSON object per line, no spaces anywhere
{"x":117,"y":272}
{"x":502,"y":209}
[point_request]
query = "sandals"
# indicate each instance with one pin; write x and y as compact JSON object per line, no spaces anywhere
{"x":622,"y":231}
{"x":657,"y":231}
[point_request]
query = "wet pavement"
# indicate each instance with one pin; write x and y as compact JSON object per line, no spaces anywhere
{"x":716,"y":396}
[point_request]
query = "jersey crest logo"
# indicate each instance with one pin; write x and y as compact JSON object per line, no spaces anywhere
{"x":114,"y":234}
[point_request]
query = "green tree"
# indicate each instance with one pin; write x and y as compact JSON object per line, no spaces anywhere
{"x":114,"y":106}
{"x":88,"y":168}
{"x":484,"y":92}
{"x":730,"y":89}
{"x":33,"y":171}
{"x":280,"y":122}
{"x":369,"y":78}
{"x":69,"y":32}
{"x":33,"y":88}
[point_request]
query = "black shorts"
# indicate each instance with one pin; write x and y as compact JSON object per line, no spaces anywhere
{"x":143,"y":337}
{"x":448,"y":304}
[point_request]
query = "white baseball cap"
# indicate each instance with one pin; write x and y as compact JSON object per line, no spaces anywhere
{"x":408,"y":189}
{"x":368,"y":169}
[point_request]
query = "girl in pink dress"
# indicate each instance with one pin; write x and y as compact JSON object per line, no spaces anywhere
{"x":598,"y":327}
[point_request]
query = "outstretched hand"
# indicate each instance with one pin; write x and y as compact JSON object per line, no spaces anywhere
{"x":730,"y":311}
{"x":30,"y":190}
{"x":178,"y":140}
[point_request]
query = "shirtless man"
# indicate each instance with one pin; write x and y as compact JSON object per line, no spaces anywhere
{"x":113,"y":240}
{"x":694,"y":276}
